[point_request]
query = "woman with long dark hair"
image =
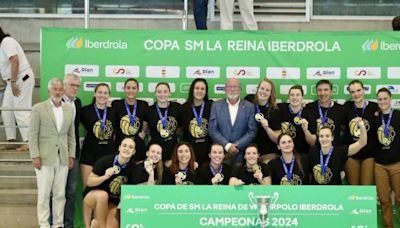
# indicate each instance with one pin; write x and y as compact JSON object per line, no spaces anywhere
{"x":182,"y":170}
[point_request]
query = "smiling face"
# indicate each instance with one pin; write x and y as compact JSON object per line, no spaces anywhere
{"x":101,"y":95}
{"x":357,"y":92}
{"x":56,"y":92}
{"x":199,"y":90}
{"x":295,"y":97}
{"x":325,"y":137}
{"x":183,"y":154}
{"x":162,"y":93}
{"x":264,"y":91}
{"x":127,"y":148}
{"x":384,"y":101}
{"x":131,"y":89}
{"x":154,"y":153}
{"x":286,"y":144}
{"x":251,"y":156}
{"x":324,"y":93}
{"x":216,"y":154}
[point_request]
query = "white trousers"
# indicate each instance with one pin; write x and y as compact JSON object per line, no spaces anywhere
{"x":246,"y":12}
{"x":24,"y":100}
{"x":51,"y":179}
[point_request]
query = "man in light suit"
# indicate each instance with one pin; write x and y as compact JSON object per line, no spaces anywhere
{"x":232,"y":122}
{"x":52,"y":149}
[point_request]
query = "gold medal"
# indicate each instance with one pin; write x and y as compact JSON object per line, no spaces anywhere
{"x":181,"y":175}
{"x":322,"y":178}
{"x":164,"y":133}
{"x":116,"y":169}
{"x":386,"y":141}
{"x":219,"y":176}
{"x":297,"y":120}
{"x":259,"y":116}
{"x":285,"y":181}
{"x":256,"y":168}
{"x":357,"y":133}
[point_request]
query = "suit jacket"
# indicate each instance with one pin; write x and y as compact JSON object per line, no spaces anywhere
{"x":45,"y":141}
{"x":243,"y":131}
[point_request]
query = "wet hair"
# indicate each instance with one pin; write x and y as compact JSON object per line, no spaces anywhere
{"x":131,"y":80}
{"x":97,"y":87}
{"x":356,"y":81}
{"x":191,"y":90}
{"x":163,"y":83}
{"x":296,"y":154}
{"x":159,"y":165}
{"x":324,"y":81}
{"x":251,"y":145}
{"x":174,"y":168}
{"x":216,"y":144}
{"x":384,"y":90}
{"x":272,"y":97}
{"x":299,"y":87}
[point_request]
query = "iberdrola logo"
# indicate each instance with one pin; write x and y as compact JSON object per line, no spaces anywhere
{"x":370,"y":45}
{"x":75,"y":42}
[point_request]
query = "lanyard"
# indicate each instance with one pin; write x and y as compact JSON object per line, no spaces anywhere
{"x":323,"y":116}
{"x":323,"y":164}
{"x":116,"y":163}
{"x":200,"y":115}
{"x":289,"y":173}
{"x":164,"y":119}
{"x":131,"y":114}
{"x":265,"y":107}
{"x":298,"y":114}
{"x":387,"y":124}
{"x":102,"y":120}
{"x":213,"y":170}
{"x":363,"y":109}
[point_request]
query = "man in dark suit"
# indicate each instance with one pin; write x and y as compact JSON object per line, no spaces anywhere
{"x":72,"y":84}
{"x":232,"y":122}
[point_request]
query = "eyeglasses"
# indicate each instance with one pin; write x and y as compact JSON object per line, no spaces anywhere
{"x":75,"y":85}
{"x":232,"y":87}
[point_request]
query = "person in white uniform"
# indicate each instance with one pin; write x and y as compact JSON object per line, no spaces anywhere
{"x":18,"y":75}
{"x":246,"y":11}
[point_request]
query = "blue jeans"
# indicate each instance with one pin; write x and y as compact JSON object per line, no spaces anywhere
{"x":200,"y":9}
{"x":70,"y":192}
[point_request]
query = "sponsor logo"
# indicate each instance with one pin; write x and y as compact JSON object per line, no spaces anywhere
{"x":303,"y":46}
{"x":323,"y":73}
{"x":219,"y":88}
{"x":243,"y":72}
{"x":284,"y":89}
{"x":363,"y":72}
{"x":283,"y":73}
{"x":361,"y":198}
{"x":335,"y":89}
{"x":82,"y":70}
{"x":75,"y":42}
{"x":119,"y":87}
{"x":393,"y":72}
{"x":370,"y":45}
{"x":251,"y":88}
{"x":162,"y":72}
{"x":184,"y":87}
{"x":151,"y":87}
{"x":129,"y":196}
{"x":122,"y":71}
{"x":79,"y":42}
{"x":395,"y":103}
{"x":136,"y":210}
{"x":90,"y":86}
{"x":394,"y":89}
{"x":367,"y":89}
{"x":202,"y":72}
{"x":361,"y":211}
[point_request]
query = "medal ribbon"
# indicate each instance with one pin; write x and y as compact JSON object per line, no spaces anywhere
{"x":298,"y":114}
{"x":323,"y":116}
{"x":265,"y":107}
{"x":200,"y":115}
{"x":323,"y":164}
{"x":363,"y":109}
{"x":184,"y":170}
{"x":387,"y":124}
{"x":131,"y":114}
{"x":164,"y":119}
{"x":289,"y":173}
{"x":213,"y":170}
{"x":117,"y":164}
{"x":102,"y":120}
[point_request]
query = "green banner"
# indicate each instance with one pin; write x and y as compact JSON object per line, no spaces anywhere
{"x":177,"y":57}
{"x":227,"y":206}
